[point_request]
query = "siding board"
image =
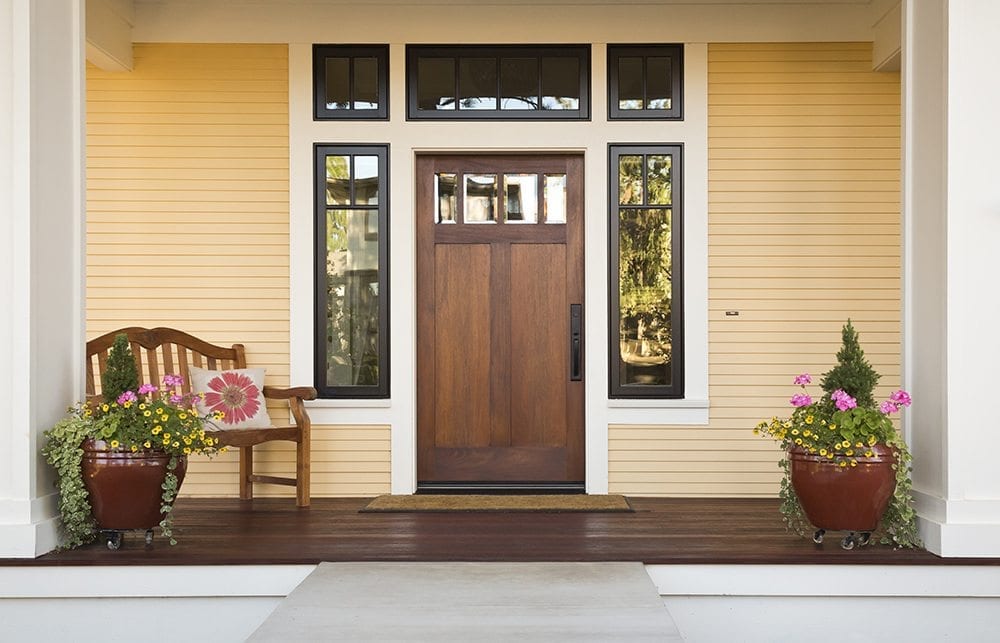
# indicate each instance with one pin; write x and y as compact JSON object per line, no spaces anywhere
{"x":804,"y":231}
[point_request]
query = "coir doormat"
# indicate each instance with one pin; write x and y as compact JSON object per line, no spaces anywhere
{"x":498,"y":503}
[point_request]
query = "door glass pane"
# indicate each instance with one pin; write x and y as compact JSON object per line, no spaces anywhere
{"x":519,"y":83}
{"x":630,"y":180}
{"x":658,"y":180}
{"x":352,"y":311}
{"x":477,"y":83}
{"x":365,"y":180}
{"x":366,"y":83}
{"x":645,"y":293}
{"x":480,"y":198}
{"x":658,"y":83}
{"x":338,"y":180}
{"x":435,"y":83}
{"x":520,"y":196}
{"x":630,"y":82}
{"x":338,"y":90}
{"x":560,"y":83}
{"x":446,"y":197}
{"x":555,"y":198}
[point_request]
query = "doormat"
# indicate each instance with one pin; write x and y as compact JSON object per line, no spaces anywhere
{"x":498,"y":503}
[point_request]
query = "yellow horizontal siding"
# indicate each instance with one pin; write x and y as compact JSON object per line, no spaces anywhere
{"x":804,"y":231}
{"x":187,"y":226}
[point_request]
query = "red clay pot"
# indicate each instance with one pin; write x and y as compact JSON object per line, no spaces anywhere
{"x":844,"y":498}
{"x":124,"y":487}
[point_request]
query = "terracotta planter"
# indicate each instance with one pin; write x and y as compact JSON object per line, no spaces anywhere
{"x":844,"y":498}
{"x":124,"y":487}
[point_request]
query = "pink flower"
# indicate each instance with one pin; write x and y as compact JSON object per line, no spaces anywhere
{"x":900,"y":398}
{"x":801,"y":400}
{"x":235,"y":395}
{"x":146,"y":388}
{"x":888,"y":408}
{"x":176,"y":399}
{"x":803,"y":379}
{"x":843,"y":400}
{"x":172,"y":380}
{"x":127,"y":396}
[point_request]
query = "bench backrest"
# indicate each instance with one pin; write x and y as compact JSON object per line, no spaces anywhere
{"x":159,"y":352}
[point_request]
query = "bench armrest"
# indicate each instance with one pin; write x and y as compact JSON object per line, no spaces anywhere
{"x":278,"y":393}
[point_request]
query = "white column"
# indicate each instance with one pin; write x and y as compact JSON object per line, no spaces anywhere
{"x":952,"y":268}
{"x":41,"y":255}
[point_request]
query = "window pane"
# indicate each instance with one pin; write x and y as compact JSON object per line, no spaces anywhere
{"x":480,"y":198}
{"x":366,"y":83}
{"x":446,"y":201}
{"x":435,"y":83}
{"x":658,"y":180}
{"x":518,"y":83}
{"x":630,"y":180}
{"x":338,"y":180}
{"x":520,"y":198}
{"x":338,"y":83}
{"x":352,"y":310}
{"x":644,"y":276}
{"x":477,"y":83}
{"x":560,"y":83}
{"x":365,"y":180}
{"x":630,"y":82}
{"x":658,"y":83}
{"x":555,"y":198}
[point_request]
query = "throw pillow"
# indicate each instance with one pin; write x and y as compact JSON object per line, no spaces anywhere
{"x":238,"y":393}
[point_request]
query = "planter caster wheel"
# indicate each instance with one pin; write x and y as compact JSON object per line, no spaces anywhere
{"x":818,"y":536}
{"x":149,"y":537}
{"x":848,"y":542}
{"x":114,"y":540}
{"x":864,"y":538}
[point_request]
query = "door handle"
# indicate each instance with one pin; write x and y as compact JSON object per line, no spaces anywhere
{"x":575,"y":342}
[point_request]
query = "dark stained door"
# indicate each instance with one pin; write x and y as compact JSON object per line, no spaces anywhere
{"x":499,"y":358}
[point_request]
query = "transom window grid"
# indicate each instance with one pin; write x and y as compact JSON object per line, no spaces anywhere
{"x":361,"y":76}
{"x":499,"y":198}
{"x":645,"y":321}
{"x":351,"y":320}
{"x":498,"y":82}
{"x":643,"y":66}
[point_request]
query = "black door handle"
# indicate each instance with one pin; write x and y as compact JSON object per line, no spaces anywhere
{"x":575,"y":342}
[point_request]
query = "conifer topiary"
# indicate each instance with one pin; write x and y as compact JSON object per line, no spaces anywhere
{"x":852,"y":374}
{"x":121,"y":374}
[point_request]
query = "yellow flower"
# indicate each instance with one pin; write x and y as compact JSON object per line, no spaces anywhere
{"x":756,"y":431}
{"x":142,"y":407}
{"x":105,"y":407}
{"x":798,"y":441}
{"x":134,"y":448}
{"x":795,"y":431}
{"x":114,"y":444}
{"x":787,"y":424}
{"x":127,"y":405}
{"x":176,"y":444}
{"x":182,"y":416}
{"x":807,"y":433}
{"x":858,"y":445}
{"x":854,"y":463}
{"x":166,"y":441}
{"x":147,"y":444}
{"x":843,"y":464}
{"x":166,"y":436}
{"x":187,"y":450}
{"x":869,"y":454}
{"x":809,"y":419}
{"x":146,"y":413}
{"x":871,"y":440}
{"x":822,"y":451}
{"x":849,"y":452}
{"x":157,"y":429}
{"x":159,"y":410}
{"x":833,"y":427}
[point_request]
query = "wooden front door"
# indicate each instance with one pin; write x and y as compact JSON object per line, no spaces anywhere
{"x":499,"y":321}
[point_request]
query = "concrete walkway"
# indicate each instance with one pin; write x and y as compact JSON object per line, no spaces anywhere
{"x":472,"y":602}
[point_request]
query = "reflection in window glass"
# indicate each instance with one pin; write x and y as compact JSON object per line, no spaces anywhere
{"x":352,"y":268}
{"x":338,"y":180}
{"x":560,"y":83}
{"x":365,"y":180}
{"x":519,"y":83}
{"x":446,"y":201}
{"x":658,"y":83}
{"x":366,"y":83}
{"x":435,"y":83}
{"x":645,"y":296}
{"x":480,"y":198}
{"x":477,"y":83}
{"x":658,"y":180}
{"x":630,"y":82}
{"x":555,"y":198}
{"x":520,"y":198}
{"x":630,"y":180}
{"x":338,"y":90}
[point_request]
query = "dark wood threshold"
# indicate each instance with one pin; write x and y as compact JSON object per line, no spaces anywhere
{"x":502,"y":487}
{"x":691,"y":531}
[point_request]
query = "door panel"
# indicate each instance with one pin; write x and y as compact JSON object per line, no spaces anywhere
{"x":495,"y":402}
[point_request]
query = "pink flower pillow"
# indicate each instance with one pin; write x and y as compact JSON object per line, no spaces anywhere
{"x":238,"y":393}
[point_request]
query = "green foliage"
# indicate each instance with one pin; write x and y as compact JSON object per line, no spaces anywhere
{"x":63,"y":451}
{"x":852,"y":374}
{"x":121,"y":374}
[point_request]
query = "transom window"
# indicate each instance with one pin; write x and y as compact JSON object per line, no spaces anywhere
{"x":646,"y":323}
{"x":499,"y":198}
{"x":645,"y":82}
{"x":498,"y":82}
{"x":351,"y":82}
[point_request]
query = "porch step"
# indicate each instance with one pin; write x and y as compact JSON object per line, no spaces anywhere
{"x":472,"y":602}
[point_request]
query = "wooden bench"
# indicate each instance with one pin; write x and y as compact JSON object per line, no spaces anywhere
{"x":163,"y":351}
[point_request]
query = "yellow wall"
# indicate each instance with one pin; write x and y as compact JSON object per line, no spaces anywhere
{"x":804,"y":231}
{"x":187,"y":226}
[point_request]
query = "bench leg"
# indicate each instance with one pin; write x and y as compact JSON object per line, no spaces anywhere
{"x":246,"y":470}
{"x":302,"y":470}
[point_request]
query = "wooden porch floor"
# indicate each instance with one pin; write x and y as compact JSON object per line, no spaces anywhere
{"x":661,"y":531}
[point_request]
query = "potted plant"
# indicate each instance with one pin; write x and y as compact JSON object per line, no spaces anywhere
{"x":847,"y":468}
{"x":120,"y":461}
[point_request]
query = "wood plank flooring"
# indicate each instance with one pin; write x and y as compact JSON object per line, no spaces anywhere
{"x":661,"y":531}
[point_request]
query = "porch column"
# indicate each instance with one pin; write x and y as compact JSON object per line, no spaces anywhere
{"x":41,"y":255}
{"x":952,"y":270}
